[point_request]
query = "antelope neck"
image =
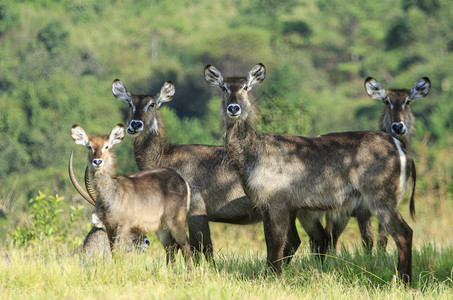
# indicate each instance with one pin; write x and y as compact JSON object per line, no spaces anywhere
{"x":150,"y":146}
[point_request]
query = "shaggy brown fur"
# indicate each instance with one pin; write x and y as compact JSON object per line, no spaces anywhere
{"x":396,"y":119}
{"x":217,"y":194}
{"x":283,"y":174}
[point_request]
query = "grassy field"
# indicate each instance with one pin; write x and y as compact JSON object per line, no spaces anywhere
{"x":49,"y":273}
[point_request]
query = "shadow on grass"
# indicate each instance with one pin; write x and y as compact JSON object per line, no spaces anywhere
{"x":431,"y":267}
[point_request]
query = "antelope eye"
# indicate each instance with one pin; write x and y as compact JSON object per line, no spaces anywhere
{"x":90,"y":147}
{"x":106,"y":147}
{"x":151,"y":104}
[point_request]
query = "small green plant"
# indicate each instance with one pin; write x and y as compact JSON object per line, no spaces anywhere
{"x":49,"y":220}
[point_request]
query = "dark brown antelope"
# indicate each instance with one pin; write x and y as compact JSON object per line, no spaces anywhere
{"x":155,"y":200}
{"x":217,"y":194}
{"x":283,"y":174}
{"x":398,"y":120}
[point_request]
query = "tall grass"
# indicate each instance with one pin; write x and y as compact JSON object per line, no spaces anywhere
{"x":46,"y":273}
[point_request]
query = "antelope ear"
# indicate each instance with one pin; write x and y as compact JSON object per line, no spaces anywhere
{"x":256,"y":75}
{"x":96,"y":221}
{"x":117,"y":135}
{"x":420,"y":88}
{"x":213,"y":76}
{"x":167,"y":91}
{"x":374,"y":89}
{"x":79,"y":135}
{"x":120,"y":91}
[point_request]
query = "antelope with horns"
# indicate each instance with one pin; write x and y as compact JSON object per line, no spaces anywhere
{"x":97,"y":243}
{"x":396,"y":119}
{"x":217,"y":193}
{"x":283,"y":174}
{"x":155,"y":200}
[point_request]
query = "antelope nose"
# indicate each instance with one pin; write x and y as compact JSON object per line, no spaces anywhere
{"x":136,"y":125}
{"x":234,"y":109}
{"x":399,"y":128}
{"x":97,"y":162}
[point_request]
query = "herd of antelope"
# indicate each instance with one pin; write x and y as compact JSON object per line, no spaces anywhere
{"x":269,"y":177}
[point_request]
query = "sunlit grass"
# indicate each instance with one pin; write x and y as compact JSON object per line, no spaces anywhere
{"x":238,"y":274}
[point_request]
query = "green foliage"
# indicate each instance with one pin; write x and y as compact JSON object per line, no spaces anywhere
{"x":8,"y":16}
{"x":284,"y":116}
{"x":185,"y":131}
{"x":58,"y":65}
{"x":53,"y":36}
{"x":299,"y":27}
{"x":399,"y":34}
{"x":281,"y":106}
{"x":84,"y":11}
{"x":50,"y":220}
{"x":429,"y":6}
{"x":236,"y":45}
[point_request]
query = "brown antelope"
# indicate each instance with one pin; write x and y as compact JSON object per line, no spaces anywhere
{"x":217,"y":194}
{"x":398,"y":120}
{"x":155,"y":200}
{"x":97,"y":242}
{"x":283,"y":174}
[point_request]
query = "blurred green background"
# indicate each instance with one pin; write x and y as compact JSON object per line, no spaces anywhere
{"x":59,"y":58}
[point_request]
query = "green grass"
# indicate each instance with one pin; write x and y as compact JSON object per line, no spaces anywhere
{"x":45,"y":274}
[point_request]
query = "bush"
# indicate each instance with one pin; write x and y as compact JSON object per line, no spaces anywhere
{"x":53,"y":36}
{"x":49,"y":221}
{"x":399,"y":34}
{"x":8,"y":17}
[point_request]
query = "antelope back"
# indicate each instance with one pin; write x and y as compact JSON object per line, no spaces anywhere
{"x":397,"y":118}
{"x":143,"y":108}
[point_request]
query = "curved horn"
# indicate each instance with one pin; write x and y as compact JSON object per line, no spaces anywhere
{"x":77,"y":186}
{"x":88,"y":185}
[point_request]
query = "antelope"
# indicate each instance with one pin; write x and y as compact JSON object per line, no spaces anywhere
{"x":282,"y":174}
{"x":396,"y":119}
{"x":217,"y":193}
{"x":97,"y":242}
{"x":155,"y":200}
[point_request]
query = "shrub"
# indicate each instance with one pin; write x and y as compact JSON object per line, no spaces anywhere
{"x":53,"y":36}
{"x":8,"y":17}
{"x":49,"y":220}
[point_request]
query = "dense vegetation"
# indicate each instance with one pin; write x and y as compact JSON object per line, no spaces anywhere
{"x":59,"y":58}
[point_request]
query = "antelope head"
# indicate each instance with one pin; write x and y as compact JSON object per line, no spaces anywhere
{"x":99,"y":154}
{"x":397,"y":117}
{"x":143,"y":108}
{"x":236,"y":103}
